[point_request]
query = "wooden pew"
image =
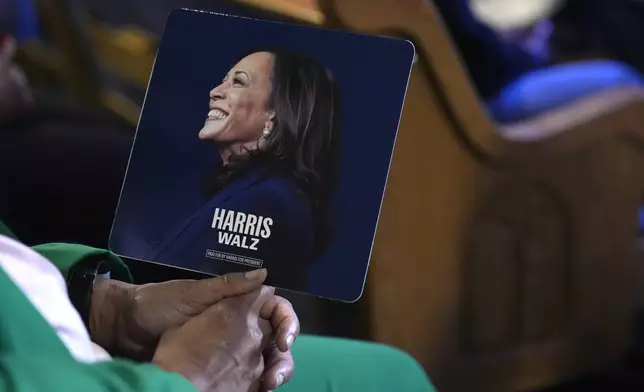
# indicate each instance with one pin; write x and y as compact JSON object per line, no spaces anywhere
{"x":500,"y":263}
{"x":304,"y":10}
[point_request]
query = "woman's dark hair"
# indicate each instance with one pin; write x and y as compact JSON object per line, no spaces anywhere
{"x":303,"y":144}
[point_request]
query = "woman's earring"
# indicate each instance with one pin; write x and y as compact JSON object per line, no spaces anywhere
{"x":266,"y":132}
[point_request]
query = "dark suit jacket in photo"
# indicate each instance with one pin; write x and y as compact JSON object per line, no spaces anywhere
{"x":194,"y":244}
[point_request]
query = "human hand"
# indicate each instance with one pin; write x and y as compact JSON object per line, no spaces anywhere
{"x":129,"y":320}
{"x":220,"y":350}
{"x":278,"y":360}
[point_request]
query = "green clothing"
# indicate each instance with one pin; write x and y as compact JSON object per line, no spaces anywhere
{"x":5,"y":231}
{"x":34,"y":359}
{"x":337,"y":365}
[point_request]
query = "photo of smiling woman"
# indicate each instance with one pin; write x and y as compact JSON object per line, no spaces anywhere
{"x":273,"y":122}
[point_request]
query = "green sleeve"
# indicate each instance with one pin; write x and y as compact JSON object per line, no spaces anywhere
{"x":33,"y":358}
{"x":6,"y":231}
{"x":64,"y":256}
{"x":38,"y":373}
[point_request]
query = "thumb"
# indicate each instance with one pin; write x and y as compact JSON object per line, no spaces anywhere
{"x":213,"y":290}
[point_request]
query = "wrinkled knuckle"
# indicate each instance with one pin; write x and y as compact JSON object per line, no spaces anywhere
{"x":256,"y":334}
{"x":137,"y":294}
{"x":223,"y":280}
{"x":268,"y":290}
{"x":227,"y":314}
{"x":263,"y":325}
{"x":224,"y":312}
{"x":258,"y":371}
{"x":136,"y":298}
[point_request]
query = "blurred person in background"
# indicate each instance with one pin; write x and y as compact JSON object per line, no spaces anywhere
{"x":66,"y":165}
{"x":16,"y":98}
{"x":525,"y":24}
{"x":603,"y":28}
{"x":506,"y":45}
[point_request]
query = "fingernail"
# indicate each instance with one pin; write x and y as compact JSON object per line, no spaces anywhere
{"x":280,"y":379}
{"x":289,"y":340}
{"x":259,"y":274}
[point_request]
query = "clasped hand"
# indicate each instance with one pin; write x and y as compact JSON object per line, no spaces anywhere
{"x":227,"y":333}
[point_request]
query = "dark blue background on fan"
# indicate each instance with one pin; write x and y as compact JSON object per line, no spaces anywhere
{"x":196,"y":51}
